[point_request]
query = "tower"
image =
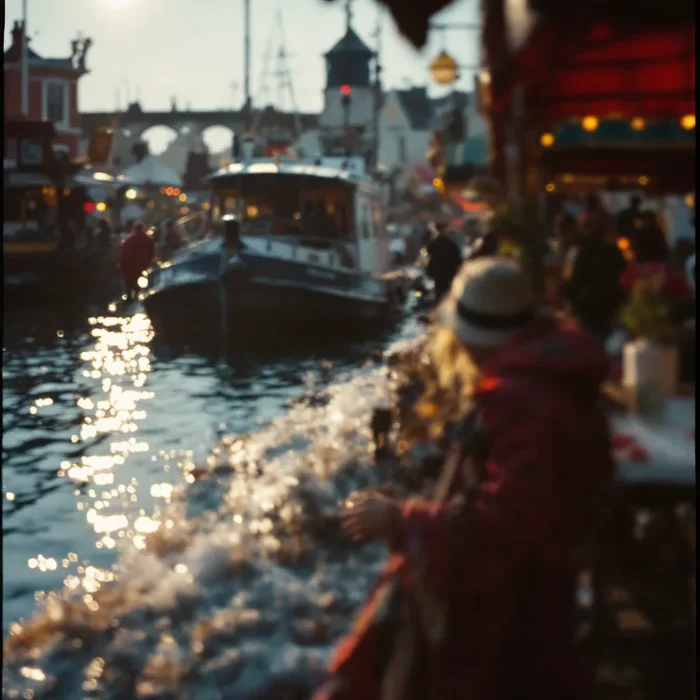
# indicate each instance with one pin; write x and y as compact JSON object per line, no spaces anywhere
{"x":349,"y":93}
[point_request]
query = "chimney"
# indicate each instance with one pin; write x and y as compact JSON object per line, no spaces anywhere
{"x":17,"y":35}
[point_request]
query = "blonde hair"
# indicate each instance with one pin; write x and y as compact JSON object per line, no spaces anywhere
{"x":455,"y":371}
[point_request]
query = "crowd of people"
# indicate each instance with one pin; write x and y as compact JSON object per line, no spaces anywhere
{"x":590,"y":251}
{"x":477,"y":598}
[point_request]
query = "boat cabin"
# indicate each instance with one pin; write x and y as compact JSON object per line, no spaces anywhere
{"x":322,"y":211}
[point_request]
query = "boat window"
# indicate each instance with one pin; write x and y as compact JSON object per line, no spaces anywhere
{"x":274,"y":204}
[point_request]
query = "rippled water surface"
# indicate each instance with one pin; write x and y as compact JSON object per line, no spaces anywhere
{"x":179,"y":503}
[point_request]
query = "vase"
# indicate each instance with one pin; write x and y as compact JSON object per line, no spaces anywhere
{"x":649,"y":375}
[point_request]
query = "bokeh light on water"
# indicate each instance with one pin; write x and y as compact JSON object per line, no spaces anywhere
{"x":163,"y":461}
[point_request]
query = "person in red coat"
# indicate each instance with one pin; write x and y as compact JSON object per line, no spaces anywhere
{"x":497,"y":566}
{"x":135,"y":257}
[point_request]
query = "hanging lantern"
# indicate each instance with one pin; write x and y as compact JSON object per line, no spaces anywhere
{"x":444,"y":69}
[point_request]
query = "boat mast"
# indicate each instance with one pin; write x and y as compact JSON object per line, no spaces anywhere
{"x":246,"y":67}
{"x":377,"y":88}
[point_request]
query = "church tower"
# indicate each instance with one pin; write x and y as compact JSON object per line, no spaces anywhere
{"x":349,"y":99}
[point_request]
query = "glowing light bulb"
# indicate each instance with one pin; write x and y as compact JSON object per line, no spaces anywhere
{"x":590,"y":123}
{"x":688,"y":122}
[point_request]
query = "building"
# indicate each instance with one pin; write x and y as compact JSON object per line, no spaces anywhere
{"x":406,"y":120}
{"x":350,"y":97}
{"x":53,"y":88}
{"x":405,"y":128}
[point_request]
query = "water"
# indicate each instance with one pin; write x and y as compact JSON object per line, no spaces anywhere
{"x":169,"y":513}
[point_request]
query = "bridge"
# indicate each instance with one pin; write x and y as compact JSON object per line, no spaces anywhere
{"x":134,"y":121}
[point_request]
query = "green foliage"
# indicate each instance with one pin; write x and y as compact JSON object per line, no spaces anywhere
{"x":519,"y":226}
{"x":646,"y":312}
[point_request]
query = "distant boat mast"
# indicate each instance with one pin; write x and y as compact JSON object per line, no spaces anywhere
{"x":247,"y":107}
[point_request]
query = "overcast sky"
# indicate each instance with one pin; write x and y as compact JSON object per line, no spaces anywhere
{"x":193,"y":49}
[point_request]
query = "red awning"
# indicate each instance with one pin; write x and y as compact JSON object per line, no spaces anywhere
{"x":615,"y":74}
{"x":619,"y":62}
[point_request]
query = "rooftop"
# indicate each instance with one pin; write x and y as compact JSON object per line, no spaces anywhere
{"x":418,"y":107}
{"x":348,"y":169}
{"x":350,"y":43}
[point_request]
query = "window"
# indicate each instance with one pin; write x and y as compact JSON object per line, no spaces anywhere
{"x":402,"y":149}
{"x":56,"y":102}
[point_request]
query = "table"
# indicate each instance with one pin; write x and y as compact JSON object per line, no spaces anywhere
{"x":670,"y":450}
{"x":643,"y":558}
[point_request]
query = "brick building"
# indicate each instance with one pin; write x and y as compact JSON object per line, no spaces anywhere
{"x":53,"y":88}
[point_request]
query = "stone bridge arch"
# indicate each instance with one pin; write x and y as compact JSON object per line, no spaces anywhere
{"x":133,"y":124}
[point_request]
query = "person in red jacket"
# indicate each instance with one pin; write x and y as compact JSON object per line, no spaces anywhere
{"x":135,"y":257}
{"x":496,"y":565}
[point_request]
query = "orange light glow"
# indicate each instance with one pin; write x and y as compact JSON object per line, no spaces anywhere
{"x":688,"y":122}
{"x":590,"y":123}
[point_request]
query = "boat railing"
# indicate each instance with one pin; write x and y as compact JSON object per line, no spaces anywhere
{"x":307,"y":248}
{"x":192,"y":226}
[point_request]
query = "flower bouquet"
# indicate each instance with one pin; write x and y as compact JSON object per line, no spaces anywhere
{"x":650,"y":359}
{"x":652,"y":293}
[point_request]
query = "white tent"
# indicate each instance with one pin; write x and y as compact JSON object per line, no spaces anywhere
{"x":152,"y":170}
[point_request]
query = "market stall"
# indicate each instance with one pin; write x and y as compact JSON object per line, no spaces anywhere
{"x":592,"y":63}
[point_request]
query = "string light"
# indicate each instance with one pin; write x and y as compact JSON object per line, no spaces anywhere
{"x":590,"y":123}
{"x":688,"y":122}
{"x":547,"y":140}
{"x":638,"y":124}
{"x":550,"y":187}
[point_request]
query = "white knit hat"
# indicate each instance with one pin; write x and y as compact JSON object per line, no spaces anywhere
{"x":491,"y":299}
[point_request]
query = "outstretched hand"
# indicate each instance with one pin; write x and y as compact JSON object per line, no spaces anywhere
{"x":371,"y":518}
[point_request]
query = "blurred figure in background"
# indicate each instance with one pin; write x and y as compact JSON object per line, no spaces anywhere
{"x":135,"y":257}
{"x":596,"y":219}
{"x":630,"y":219}
{"x":172,"y":241}
{"x":648,"y":240}
{"x":566,"y":234}
{"x":593,"y":288}
{"x":104,"y":232}
{"x":444,"y":260}
{"x":487,"y":245}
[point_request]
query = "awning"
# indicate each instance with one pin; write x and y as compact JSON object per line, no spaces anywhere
{"x":609,"y":59}
{"x":614,"y":74}
{"x":625,"y":134}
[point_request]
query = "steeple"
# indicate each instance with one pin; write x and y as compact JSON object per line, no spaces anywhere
{"x":348,"y":15}
{"x":348,"y":62}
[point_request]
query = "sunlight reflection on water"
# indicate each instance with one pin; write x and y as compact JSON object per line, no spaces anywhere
{"x":128,"y":433}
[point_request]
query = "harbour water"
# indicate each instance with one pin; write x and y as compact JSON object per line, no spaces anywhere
{"x":164,"y":507}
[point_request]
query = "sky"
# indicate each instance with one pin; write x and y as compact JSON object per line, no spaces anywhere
{"x":192,"y":50}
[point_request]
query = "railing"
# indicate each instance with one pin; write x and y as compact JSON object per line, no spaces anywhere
{"x":192,"y":226}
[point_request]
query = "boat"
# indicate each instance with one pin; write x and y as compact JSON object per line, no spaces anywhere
{"x":300,"y":243}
